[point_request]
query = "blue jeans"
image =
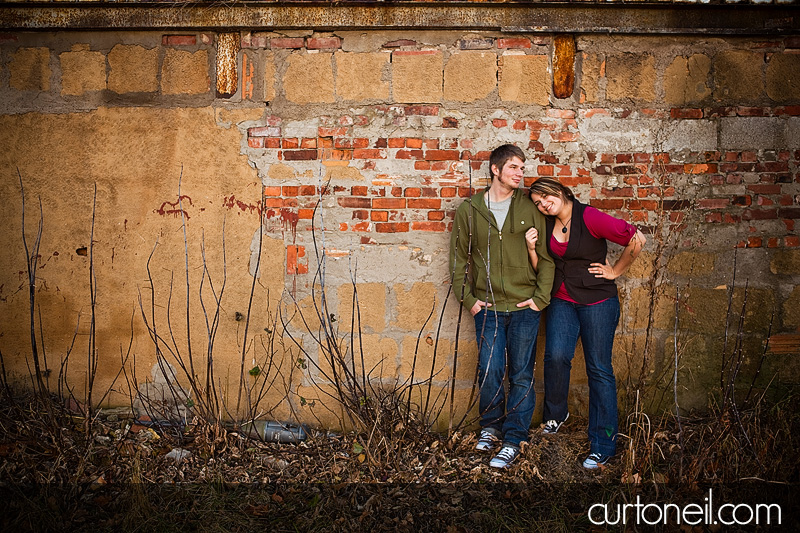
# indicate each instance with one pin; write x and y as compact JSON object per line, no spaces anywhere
{"x":595,"y":325}
{"x":507,"y":341}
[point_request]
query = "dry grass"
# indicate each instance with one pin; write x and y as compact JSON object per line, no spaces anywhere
{"x":119,"y":477}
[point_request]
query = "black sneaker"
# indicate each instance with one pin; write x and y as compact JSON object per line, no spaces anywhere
{"x":552,"y":426}
{"x":487,"y":441}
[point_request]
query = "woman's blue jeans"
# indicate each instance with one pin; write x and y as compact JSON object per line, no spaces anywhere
{"x":507,"y":341}
{"x":595,"y":325}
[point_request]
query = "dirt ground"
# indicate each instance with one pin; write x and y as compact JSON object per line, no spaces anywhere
{"x":118,"y":474}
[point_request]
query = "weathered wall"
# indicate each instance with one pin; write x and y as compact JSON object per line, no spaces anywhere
{"x":361,"y":144}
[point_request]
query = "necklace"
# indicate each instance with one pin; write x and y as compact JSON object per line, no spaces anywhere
{"x":564,"y":226}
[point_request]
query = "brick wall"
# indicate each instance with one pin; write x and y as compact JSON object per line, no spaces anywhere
{"x":360,"y":146}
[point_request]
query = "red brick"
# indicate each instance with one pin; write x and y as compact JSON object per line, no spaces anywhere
{"x":678,"y":112}
{"x":323,"y":43}
{"x":442,"y":155}
{"x":299,"y":155}
{"x":564,"y":136}
{"x":250,"y":40}
{"x":328,"y":154}
{"x":255,"y":142}
{"x":379,"y":216}
{"x":545,"y":170}
{"x":408,"y":154}
{"x":754,"y":242}
{"x":435,"y":215}
{"x":607,"y":203}
{"x":357,"y":203}
{"x":290,"y":143}
{"x":499,"y":122}
{"x":308,"y":143}
{"x":287,"y":42}
{"x":332,"y":132}
{"x":358,"y":190}
{"x":413,"y":142}
{"x":429,"y":226}
{"x":574,"y":181}
{"x":791,"y":110}
{"x":397,"y":142}
{"x":368,"y":153}
{"x":791,"y":241}
{"x":362,"y":226}
{"x":647,"y":205}
{"x":396,"y":192}
{"x":705,"y":168}
{"x":264,"y":131}
{"x":308,"y":190}
{"x":413,"y":192}
{"x":773,"y":242}
{"x":448,"y":192}
{"x":789,"y":212}
{"x":764,"y":189}
{"x":389,"y":203}
{"x":617,"y":192}
{"x":426,"y":110}
{"x":178,"y":40}
{"x":517,"y":42}
{"x":430,"y":192}
{"x":713,"y":203}
{"x":305,"y":214}
{"x":290,"y":190}
{"x":294,"y":260}
{"x":744,"y":111}
{"x":449,"y":122}
{"x":422,"y":165}
{"x":391,"y":227}
{"x":424,"y":203}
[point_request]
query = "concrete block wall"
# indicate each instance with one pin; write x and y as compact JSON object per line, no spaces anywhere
{"x":359,"y":145}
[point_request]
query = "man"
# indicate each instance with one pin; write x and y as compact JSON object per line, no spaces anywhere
{"x":502,"y":274}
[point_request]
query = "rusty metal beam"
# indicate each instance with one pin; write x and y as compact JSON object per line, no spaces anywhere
{"x":526,"y":17}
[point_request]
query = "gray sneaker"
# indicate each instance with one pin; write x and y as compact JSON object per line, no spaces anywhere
{"x":552,"y":426}
{"x":504,"y":457}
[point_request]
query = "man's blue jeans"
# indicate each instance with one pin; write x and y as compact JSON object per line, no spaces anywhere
{"x":507,"y":340}
{"x":595,"y":324}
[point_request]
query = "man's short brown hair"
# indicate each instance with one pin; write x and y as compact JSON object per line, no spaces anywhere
{"x":502,"y":154}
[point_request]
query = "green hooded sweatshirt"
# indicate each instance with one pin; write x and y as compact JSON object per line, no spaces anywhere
{"x":492,"y":264}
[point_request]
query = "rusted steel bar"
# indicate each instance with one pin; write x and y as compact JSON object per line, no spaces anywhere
{"x":534,"y":17}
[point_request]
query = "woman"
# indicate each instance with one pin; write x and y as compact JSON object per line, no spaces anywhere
{"x":584,"y":304}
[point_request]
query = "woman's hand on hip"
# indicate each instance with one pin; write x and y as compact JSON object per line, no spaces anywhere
{"x":601,"y":270}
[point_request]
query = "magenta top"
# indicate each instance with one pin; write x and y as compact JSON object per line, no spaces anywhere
{"x":601,"y":226}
